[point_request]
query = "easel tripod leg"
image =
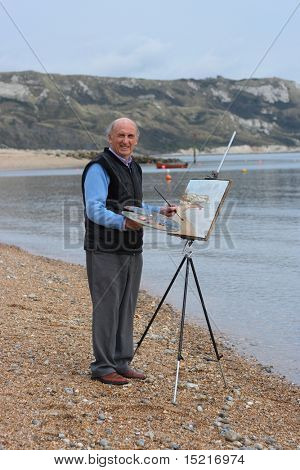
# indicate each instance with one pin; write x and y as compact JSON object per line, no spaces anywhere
{"x":179,"y":356}
{"x":159,"y":305}
{"x":219,"y":356}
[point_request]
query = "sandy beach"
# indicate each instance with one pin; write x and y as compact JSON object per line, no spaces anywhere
{"x":48,"y":400}
{"x":14,"y":159}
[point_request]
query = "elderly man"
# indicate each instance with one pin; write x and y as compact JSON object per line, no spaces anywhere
{"x":113,"y":245}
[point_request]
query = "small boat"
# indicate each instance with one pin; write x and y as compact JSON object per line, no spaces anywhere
{"x":167,"y":165}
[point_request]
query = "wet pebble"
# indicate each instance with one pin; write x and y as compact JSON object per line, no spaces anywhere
{"x":247,"y":442}
{"x":226,"y":407}
{"x":208,"y":359}
{"x":237,"y":444}
{"x":190,"y":385}
{"x":229,"y":398}
{"x":88,"y":402}
{"x":217,"y":443}
{"x":202,"y":397}
{"x":174,"y":446}
{"x":32,"y":296}
{"x":150,"y":379}
{"x":150,"y":434}
{"x":199,"y":408}
{"x":270,"y":440}
{"x":103,"y":442}
{"x":230,"y":435}
{"x":140,"y":442}
{"x":156,"y":337}
{"x":101,"y":417}
{"x":224,"y":420}
{"x":69,"y":390}
{"x":36,"y":422}
{"x":168,"y":351}
{"x":218,"y":424}
{"x":145,"y":401}
{"x":258,"y":446}
{"x":189,"y":427}
{"x":268,"y":369}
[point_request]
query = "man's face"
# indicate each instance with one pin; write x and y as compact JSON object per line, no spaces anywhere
{"x":123,"y":138}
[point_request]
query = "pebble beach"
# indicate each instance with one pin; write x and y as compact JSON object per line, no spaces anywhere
{"x":48,"y":400}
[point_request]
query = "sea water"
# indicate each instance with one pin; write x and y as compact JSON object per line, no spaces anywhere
{"x":248,"y":270}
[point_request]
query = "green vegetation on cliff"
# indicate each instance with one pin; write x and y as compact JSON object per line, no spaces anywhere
{"x":72,"y":112}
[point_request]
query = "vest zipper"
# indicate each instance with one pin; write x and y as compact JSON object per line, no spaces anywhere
{"x":131,"y":177}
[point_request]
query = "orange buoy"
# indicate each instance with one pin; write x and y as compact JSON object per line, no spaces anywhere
{"x":168,"y":177}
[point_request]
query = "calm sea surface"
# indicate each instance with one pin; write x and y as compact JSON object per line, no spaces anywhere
{"x":248,"y":270}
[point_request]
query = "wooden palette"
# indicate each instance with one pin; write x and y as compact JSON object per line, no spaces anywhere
{"x":152,"y":220}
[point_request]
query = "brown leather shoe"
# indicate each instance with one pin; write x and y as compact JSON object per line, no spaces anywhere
{"x":133,"y":374}
{"x":112,"y":379}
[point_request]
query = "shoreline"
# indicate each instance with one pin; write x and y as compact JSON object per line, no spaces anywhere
{"x":49,"y":401}
{"x":241,"y":149}
{"x":17,"y":159}
{"x":14,"y":159}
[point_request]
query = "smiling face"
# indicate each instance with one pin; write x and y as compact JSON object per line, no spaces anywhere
{"x":123,"y":137}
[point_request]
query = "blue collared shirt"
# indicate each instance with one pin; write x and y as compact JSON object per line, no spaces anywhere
{"x":96,"y":190}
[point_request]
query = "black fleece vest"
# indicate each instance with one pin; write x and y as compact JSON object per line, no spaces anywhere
{"x":125,"y":189}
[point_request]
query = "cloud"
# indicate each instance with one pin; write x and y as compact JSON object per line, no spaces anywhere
{"x":134,"y":56}
{"x":146,"y":57}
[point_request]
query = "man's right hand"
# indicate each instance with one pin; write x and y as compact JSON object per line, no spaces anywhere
{"x":131,"y":225}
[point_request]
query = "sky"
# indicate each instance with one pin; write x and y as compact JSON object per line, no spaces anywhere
{"x":157,"y":39}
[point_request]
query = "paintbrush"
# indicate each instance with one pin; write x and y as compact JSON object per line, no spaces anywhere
{"x":170,"y":205}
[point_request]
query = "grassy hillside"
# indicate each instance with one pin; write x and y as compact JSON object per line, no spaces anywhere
{"x":72,"y":111}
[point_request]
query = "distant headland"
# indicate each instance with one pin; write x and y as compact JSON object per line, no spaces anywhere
{"x":71,"y":112}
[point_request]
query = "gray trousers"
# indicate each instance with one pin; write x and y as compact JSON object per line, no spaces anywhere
{"x":114,"y":282}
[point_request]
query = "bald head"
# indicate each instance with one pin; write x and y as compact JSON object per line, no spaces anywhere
{"x":122,"y":120}
{"x":123,"y":136}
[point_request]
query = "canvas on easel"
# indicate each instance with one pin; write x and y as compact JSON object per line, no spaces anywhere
{"x":200,"y":205}
{"x":197,"y":211}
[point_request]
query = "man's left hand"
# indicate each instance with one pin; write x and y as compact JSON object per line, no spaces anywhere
{"x":168,"y":211}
